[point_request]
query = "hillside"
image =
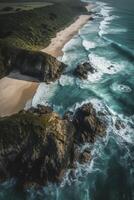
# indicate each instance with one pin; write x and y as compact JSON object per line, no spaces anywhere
{"x":33,"y":29}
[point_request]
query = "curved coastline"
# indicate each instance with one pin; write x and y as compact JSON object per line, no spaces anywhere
{"x":15,"y":93}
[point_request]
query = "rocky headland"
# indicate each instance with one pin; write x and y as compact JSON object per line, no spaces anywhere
{"x":37,"y":64}
{"x":37,"y":146}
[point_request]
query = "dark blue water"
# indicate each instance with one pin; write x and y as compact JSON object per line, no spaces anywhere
{"x":106,"y":41}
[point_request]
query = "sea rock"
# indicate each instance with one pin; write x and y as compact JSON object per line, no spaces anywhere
{"x":85,"y":156}
{"x":40,"y":65}
{"x":68,"y":115}
{"x":35,"y":146}
{"x":87,"y":124}
{"x":119,"y":124}
{"x":40,"y":110}
{"x":81,"y":156}
{"x":110,"y":67}
{"x":82,"y":70}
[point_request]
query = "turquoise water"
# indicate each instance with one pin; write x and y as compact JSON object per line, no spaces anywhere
{"x":106,"y":41}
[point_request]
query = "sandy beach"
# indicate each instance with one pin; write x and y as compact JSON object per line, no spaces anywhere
{"x":14,"y":93}
{"x":62,"y":37}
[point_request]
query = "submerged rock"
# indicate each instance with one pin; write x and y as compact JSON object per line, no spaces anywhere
{"x":33,"y":63}
{"x":87,"y":124}
{"x":82,"y":70}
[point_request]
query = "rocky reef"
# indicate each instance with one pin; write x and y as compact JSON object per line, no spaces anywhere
{"x":40,"y":65}
{"x":82,"y":70}
{"x":37,"y":146}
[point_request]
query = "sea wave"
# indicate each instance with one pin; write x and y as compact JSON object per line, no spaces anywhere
{"x":66,"y":80}
{"x":89,"y":44}
{"x":103,"y":65}
{"x":44,"y":94}
{"x":103,"y":146}
{"x":121,"y":88}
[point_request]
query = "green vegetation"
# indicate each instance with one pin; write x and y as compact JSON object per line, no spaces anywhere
{"x":35,"y":146}
{"x":33,"y":29}
{"x":6,"y":8}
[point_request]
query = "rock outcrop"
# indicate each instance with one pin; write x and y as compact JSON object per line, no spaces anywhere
{"x":82,"y":70}
{"x":87,"y":124}
{"x":37,"y":146}
{"x":37,"y":64}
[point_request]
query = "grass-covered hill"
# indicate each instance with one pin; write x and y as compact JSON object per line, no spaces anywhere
{"x":33,"y":29}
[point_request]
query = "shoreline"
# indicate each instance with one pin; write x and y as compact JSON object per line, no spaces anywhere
{"x":57,"y":43}
{"x":15,"y":92}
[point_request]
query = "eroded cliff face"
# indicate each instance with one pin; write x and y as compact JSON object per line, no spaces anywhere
{"x":40,"y":65}
{"x":37,"y":146}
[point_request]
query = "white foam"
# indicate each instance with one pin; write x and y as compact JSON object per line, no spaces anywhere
{"x":28,"y":104}
{"x":104,"y":25}
{"x":89,"y":45}
{"x":66,"y":80}
{"x":44,"y":93}
{"x":71,"y":44}
{"x":121,"y":88}
{"x":107,"y":18}
{"x":97,"y":104}
{"x":105,"y":10}
{"x":99,"y":155}
{"x":104,"y":65}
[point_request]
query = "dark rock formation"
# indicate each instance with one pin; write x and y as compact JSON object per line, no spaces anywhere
{"x":37,"y":146}
{"x":85,"y":156}
{"x":110,"y":67}
{"x":82,"y":70}
{"x":91,"y":18}
{"x":119,"y":124}
{"x":88,"y":126}
{"x":37,"y":64}
{"x":81,"y":156}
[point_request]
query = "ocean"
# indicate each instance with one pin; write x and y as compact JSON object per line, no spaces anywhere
{"x":108,"y":43}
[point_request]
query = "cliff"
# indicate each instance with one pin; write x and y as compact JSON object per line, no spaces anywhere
{"x":37,"y":146}
{"x":33,"y":63}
